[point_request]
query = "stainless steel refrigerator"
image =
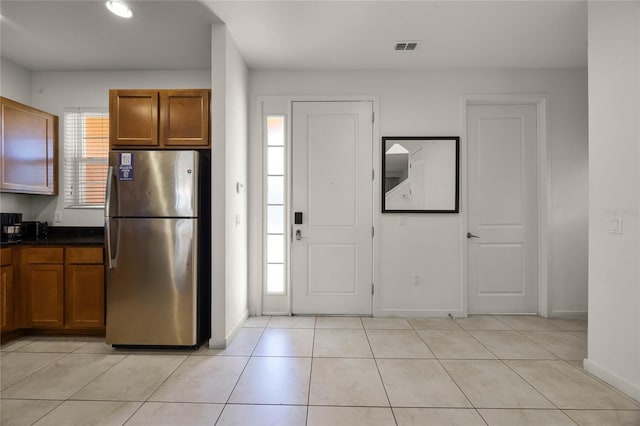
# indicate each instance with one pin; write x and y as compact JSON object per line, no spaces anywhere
{"x":157,"y":240}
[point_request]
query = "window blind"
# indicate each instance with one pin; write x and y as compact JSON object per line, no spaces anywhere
{"x":86,"y":150}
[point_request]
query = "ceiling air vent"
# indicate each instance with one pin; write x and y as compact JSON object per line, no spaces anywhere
{"x":406,"y":45}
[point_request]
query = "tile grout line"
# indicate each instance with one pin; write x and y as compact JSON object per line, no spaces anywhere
{"x":48,"y":412}
{"x":527,"y":382}
{"x":482,"y":344}
{"x":609,"y":387}
{"x":313,"y":345}
{"x":520,"y":334}
{"x":226,"y":403}
{"x":375,"y":360}
{"x":36,"y":371}
{"x":458,"y":386}
{"x":97,"y":377}
{"x":156,"y":389}
{"x":570,"y":418}
{"x":313,"y":357}
{"x":540,"y":344}
{"x":66,"y":354}
{"x":496,"y":359}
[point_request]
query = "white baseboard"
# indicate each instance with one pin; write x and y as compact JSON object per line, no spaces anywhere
{"x":222,"y":343}
{"x":217,"y":343}
{"x":625,"y":386}
{"x":420,"y":313}
{"x":238,"y":325}
{"x":276,"y":314}
{"x":568,"y":314}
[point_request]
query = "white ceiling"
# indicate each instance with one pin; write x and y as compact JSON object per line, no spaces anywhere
{"x":84,"y":35}
{"x":295,"y":34}
{"x":361,"y":34}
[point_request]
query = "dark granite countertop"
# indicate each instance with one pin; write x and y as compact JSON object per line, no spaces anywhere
{"x":65,"y":235}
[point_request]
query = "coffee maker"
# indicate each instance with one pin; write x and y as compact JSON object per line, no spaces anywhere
{"x":11,"y":224}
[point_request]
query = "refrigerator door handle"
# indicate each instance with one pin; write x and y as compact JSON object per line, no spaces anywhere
{"x":107,"y":218}
{"x":107,"y":230}
{"x":107,"y":196}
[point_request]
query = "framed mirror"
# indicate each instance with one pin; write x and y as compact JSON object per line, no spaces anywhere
{"x":420,"y":174}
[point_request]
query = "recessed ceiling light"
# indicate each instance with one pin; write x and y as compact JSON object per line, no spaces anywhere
{"x":120,"y":8}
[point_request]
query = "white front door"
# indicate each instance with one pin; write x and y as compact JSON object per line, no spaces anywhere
{"x":332,"y":249}
{"x":503,"y":208}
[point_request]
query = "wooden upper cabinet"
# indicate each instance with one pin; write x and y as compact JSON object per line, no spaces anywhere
{"x":29,"y":151}
{"x":133,"y":118}
{"x":159,"y":118}
{"x":184,"y":117}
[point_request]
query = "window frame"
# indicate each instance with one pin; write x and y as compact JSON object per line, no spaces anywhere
{"x":285,"y":204}
{"x":75,"y":158}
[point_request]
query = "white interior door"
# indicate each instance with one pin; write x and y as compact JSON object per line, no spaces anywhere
{"x":503,"y":208}
{"x":332,"y":249}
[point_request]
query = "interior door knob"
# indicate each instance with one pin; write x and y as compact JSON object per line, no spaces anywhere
{"x":470,"y":235}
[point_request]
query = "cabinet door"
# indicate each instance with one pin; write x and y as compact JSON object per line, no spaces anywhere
{"x":84,"y":290}
{"x":46,"y":295}
{"x":184,"y":118}
{"x":6,"y":293}
{"x":29,"y":140}
{"x":133,"y":118}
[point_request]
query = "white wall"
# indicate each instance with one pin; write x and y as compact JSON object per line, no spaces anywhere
{"x":54,"y":91}
{"x":229,"y":207}
{"x":236,"y":197}
{"x":428,"y":102}
{"x":614,"y":190}
{"x":15,"y":84}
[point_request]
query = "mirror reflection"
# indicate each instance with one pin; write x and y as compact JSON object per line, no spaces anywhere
{"x":420,"y":174}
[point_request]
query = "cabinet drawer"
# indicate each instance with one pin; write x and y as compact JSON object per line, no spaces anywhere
{"x":77,"y":255}
{"x":6,"y":257}
{"x":44,"y":255}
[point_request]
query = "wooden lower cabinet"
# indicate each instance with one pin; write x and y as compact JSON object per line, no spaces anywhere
{"x":46,"y":295}
{"x":43,"y":272}
{"x":6,"y":298}
{"x":64,"y":287}
{"x":84,"y":293}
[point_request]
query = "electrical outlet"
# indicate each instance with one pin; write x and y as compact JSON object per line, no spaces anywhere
{"x":57,"y":217}
{"x":615,"y":225}
{"x":415,"y":279}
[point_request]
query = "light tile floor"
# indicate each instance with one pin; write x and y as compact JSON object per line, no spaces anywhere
{"x":325,"y":371}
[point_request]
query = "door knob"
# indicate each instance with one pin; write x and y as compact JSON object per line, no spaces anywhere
{"x":299,"y":235}
{"x":470,"y":235}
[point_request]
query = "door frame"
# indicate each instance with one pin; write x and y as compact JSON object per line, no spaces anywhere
{"x":543,"y":188}
{"x":282,"y":305}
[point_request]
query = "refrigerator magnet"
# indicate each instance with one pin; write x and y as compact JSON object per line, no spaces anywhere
{"x":125,"y":168}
